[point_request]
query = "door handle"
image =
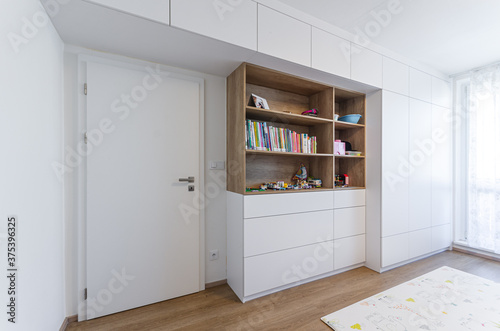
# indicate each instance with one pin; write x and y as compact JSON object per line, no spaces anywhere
{"x":189,"y":179}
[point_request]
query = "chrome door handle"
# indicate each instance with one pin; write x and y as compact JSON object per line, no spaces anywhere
{"x":189,"y":179}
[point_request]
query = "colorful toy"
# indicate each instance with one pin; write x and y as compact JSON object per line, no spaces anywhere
{"x":315,"y":182}
{"x":301,"y":173}
{"x":310,"y":112}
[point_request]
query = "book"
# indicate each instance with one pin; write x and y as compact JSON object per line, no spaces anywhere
{"x":258,"y":102}
{"x":264,"y":137}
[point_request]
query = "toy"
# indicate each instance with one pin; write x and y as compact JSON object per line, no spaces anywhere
{"x":301,"y":173}
{"x":314,"y":182}
{"x":341,"y":180}
{"x":310,"y":112}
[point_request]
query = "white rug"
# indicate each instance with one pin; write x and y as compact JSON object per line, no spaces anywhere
{"x":444,"y":299}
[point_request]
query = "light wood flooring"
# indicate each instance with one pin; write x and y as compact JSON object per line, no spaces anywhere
{"x":299,"y":308}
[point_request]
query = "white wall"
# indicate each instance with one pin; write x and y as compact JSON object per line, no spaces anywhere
{"x":215,"y":183}
{"x":31,"y":139}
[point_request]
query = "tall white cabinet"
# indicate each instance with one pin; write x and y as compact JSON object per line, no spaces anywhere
{"x":409,"y":184}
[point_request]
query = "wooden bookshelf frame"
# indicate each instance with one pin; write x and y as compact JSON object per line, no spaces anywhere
{"x":288,"y":96}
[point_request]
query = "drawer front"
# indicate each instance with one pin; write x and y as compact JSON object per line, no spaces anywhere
{"x":269,"y":234}
{"x":286,"y":203}
{"x":349,"y":251}
{"x":268,"y":271}
{"x":395,"y":249}
{"x":348,"y":198}
{"x":348,"y":222}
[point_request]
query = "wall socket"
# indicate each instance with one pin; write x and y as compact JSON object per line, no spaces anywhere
{"x":214,"y":254}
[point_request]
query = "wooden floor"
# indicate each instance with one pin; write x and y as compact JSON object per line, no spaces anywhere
{"x":299,"y":308}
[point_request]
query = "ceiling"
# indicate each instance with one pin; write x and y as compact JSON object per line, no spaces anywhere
{"x":452,"y":36}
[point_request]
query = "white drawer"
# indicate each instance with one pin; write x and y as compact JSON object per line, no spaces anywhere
{"x":348,"y":198}
{"x":348,"y":222}
{"x":286,"y":203}
{"x":268,"y":271}
{"x":269,"y":234}
{"x":349,"y":251}
{"x":395,"y":249}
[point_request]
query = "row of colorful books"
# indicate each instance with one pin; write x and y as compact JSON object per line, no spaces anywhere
{"x":263,"y":137}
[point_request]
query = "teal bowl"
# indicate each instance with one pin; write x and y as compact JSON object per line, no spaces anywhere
{"x":353,"y":118}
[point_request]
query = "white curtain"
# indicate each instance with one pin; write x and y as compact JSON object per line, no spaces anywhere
{"x":483,"y":229}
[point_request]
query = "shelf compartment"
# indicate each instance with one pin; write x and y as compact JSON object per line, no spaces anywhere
{"x":353,"y":167}
{"x":267,"y":115}
{"x":355,"y":137}
{"x":347,"y":104}
{"x":285,"y":101}
{"x":262,"y":167}
{"x":323,"y":132}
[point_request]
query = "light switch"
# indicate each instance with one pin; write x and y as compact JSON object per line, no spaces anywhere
{"x":217,"y":165}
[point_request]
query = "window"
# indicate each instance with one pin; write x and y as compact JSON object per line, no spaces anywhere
{"x":478,"y":158}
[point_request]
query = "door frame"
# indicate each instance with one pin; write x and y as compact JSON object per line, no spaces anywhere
{"x":81,"y":171}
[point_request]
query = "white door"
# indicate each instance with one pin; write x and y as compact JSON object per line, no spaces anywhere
{"x":143,"y":234}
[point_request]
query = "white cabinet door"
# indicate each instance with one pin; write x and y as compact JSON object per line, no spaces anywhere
{"x":442,"y":168}
{"x":268,"y":271}
{"x":269,"y":234}
{"x":420,"y":159}
{"x":331,"y":53}
{"x":284,"y":37}
{"x":420,"y":85}
{"x":348,"y":251}
{"x":396,"y":76}
{"x":349,"y":198}
{"x":366,"y":66}
{"x":420,"y":242}
{"x":441,"y":237}
{"x":234,"y":22}
{"x":395,"y":249}
{"x":287,"y":203}
{"x":395,"y":165}
{"x":441,"y":92}
{"x":348,"y":222}
{"x":156,"y":10}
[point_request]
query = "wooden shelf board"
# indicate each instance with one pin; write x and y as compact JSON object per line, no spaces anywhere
{"x":251,"y":151}
{"x":258,"y":75}
{"x":350,"y":156}
{"x":349,"y":188}
{"x":275,"y":116}
{"x":289,"y":191}
{"x":339,"y":125}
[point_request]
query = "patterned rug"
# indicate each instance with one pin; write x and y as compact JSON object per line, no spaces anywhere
{"x":444,"y":299}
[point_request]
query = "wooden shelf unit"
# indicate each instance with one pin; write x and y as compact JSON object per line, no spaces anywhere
{"x":288,"y":96}
{"x":354,"y":166}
